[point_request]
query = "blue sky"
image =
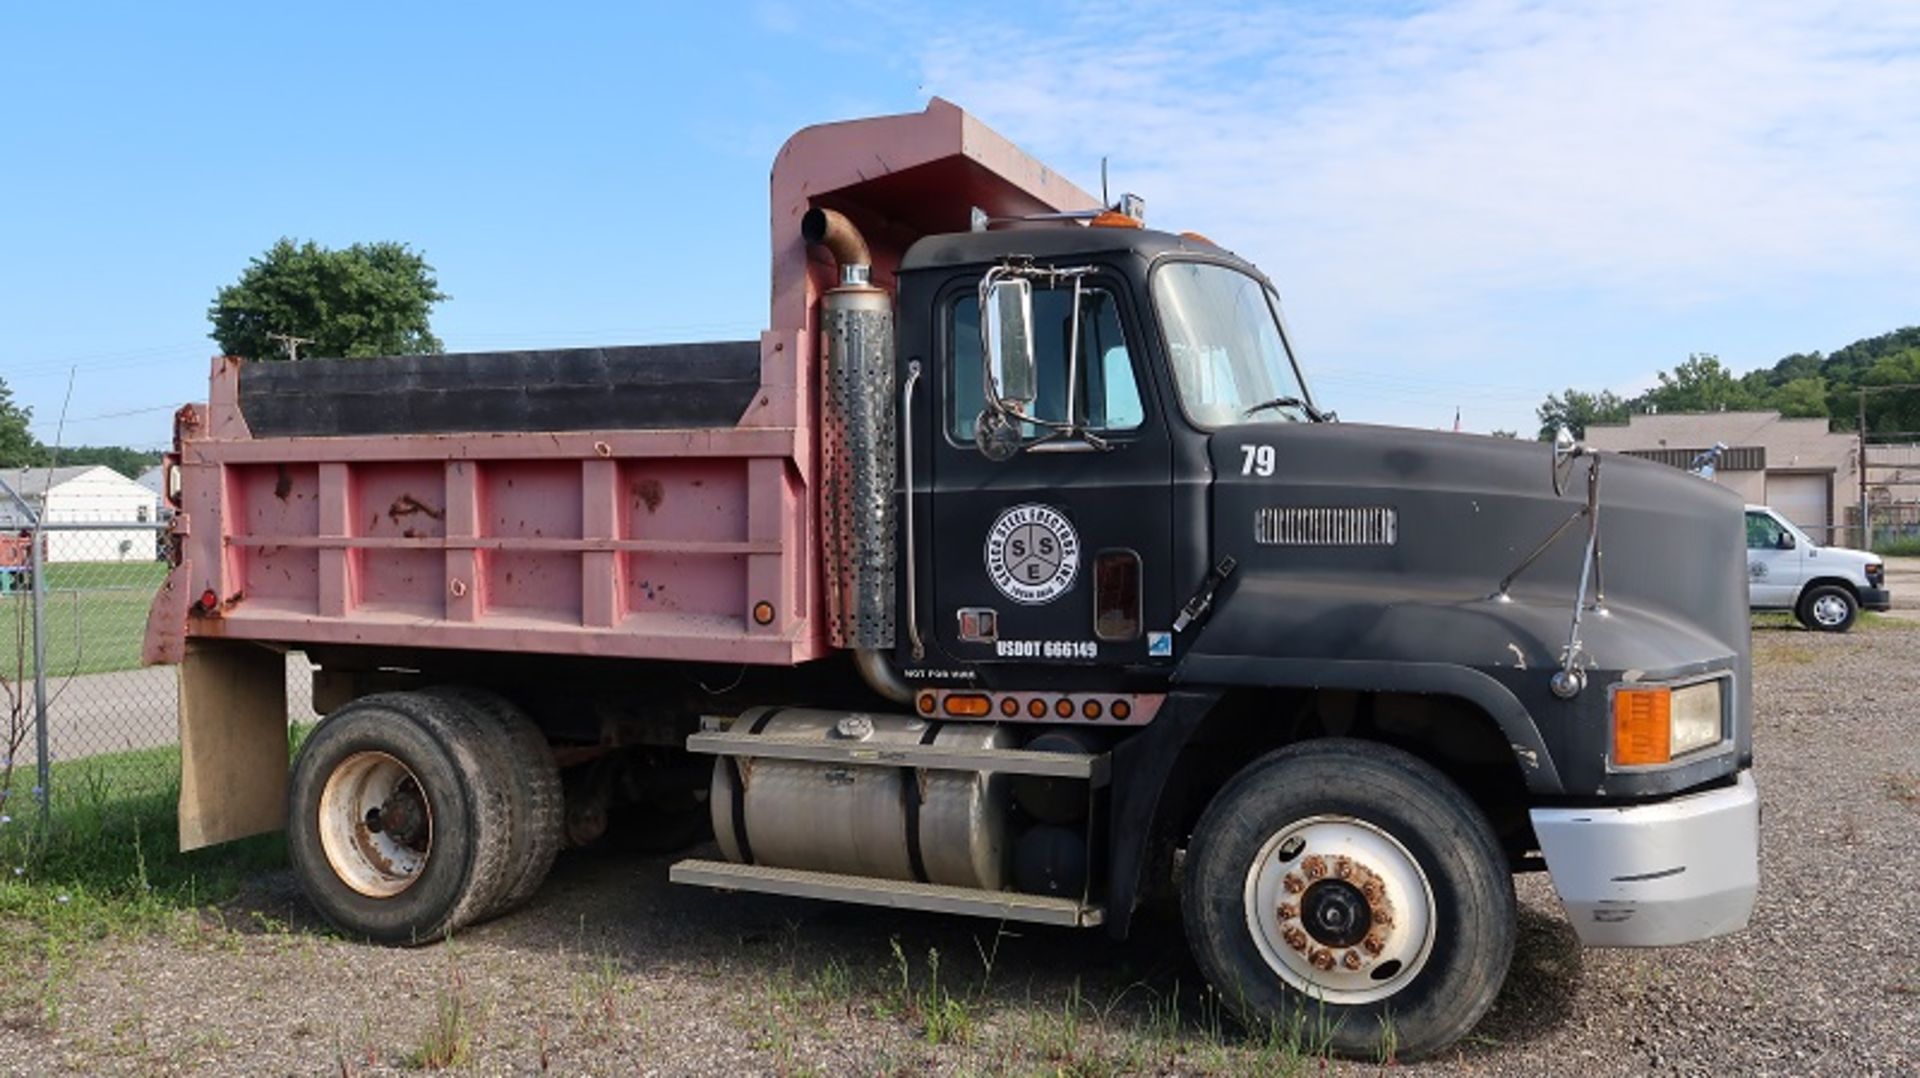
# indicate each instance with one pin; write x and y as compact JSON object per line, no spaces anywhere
{"x":1465,"y":204}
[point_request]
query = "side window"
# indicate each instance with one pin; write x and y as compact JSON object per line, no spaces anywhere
{"x":1763,"y":532}
{"x":1109,"y":397}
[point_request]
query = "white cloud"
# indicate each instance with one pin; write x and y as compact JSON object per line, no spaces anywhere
{"x":1395,"y":172}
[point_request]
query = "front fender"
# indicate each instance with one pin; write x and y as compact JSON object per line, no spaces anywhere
{"x":1364,"y":675}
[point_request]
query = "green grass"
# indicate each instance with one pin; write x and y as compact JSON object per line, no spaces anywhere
{"x":1866,"y":621}
{"x":1905,"y":546}
{"x":107,"y":857}
{"x":96,"y":617}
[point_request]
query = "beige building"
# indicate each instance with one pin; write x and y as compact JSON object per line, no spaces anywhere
{"x":1800,"y":467}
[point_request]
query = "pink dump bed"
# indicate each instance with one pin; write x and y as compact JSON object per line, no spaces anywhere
{"x":692,"y":544}
{"x":640,"y":543}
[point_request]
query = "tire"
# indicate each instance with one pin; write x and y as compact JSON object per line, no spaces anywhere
{"x":427,"y":762}
{"x":1411,"y":883}
{"x":1828,"y":608}
{"x":524,"y":758}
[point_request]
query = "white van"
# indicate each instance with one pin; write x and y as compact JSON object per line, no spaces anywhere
{"x":1824,"y":586}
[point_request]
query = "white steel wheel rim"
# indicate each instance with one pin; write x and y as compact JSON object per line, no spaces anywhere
{"x":1304,"y":895}
{"x":1829,"y":610}
{"x":376,"y":826}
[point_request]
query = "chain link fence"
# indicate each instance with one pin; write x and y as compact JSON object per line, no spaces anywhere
{"x":76,"y":705}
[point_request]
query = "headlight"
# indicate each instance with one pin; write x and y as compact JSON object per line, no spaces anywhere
{"x":1656,"y":724}
{"x":1877,"y":574}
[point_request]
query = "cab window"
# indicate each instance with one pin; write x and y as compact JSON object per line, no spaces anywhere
{"x":1763,"y":532}
{"x":1109,"y":395}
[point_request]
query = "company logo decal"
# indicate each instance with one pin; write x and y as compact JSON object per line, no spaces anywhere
{"x":1033,"y":554}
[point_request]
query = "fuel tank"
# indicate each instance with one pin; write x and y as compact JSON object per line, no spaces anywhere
{"x":865,"y":820}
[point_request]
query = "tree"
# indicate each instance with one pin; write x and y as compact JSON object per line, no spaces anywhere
{"x":1574,"y":410}
{"x":371,"y":299}
{"x":18,"y":446}
{"x":1506,"y":434}
{"x":128,"y":462}
{"x":1701,"y":384}
{"x":1801,"y":398}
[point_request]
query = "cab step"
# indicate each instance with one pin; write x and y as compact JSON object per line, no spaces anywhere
{"x":892,"y":894}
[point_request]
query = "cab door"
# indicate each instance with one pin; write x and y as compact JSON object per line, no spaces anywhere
{"x":1061,"y":553}
{"x":1774,"y":562}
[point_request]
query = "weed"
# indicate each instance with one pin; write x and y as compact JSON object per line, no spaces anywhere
{"x":449,"y":1036}
{"x":1904,"y":787}
{"x":943,"y":1018}
{"x":596,"y":996}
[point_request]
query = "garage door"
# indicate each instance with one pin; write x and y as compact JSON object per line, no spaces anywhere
{"x":1803,"y":499}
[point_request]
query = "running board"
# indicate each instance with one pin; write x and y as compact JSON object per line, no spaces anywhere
{"x":893,"y":894}
{"x":1092,"y":769}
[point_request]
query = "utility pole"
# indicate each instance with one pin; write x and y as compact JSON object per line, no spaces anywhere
{"x":290,"y":344}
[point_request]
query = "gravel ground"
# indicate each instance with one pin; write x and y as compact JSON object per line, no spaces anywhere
{"x":612,"y":971}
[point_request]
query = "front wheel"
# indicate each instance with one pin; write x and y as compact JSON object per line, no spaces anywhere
{"x":1828,"y":608}
{"x":1350,"y":891}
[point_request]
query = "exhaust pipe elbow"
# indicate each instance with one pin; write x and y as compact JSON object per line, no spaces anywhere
{"x":878,"y":672}
{"x":832,"y":230}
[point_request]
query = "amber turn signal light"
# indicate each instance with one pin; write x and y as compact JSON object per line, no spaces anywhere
{"x":967,"y":705}
{"x":1642,"y":726}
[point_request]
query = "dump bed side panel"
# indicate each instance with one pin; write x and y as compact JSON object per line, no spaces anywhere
{"x":620,"y":543}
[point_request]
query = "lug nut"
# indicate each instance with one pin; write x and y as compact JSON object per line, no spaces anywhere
{"x":1351,"y":960}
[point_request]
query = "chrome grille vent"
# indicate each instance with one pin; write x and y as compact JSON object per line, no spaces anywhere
{"x":1304,"y":526}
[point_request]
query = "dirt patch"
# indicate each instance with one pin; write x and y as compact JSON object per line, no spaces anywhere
{"x":611,"y":970}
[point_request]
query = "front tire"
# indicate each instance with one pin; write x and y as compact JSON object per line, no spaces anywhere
{"x":397,"y":826}
{"x":1349,"y":890}
{"x":1828,"y":608}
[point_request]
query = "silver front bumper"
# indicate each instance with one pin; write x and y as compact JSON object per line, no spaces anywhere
{"x":1654,"y":875}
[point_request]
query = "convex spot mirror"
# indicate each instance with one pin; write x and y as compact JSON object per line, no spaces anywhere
{"x":1007,"y":317}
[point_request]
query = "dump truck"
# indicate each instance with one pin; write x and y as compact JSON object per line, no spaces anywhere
{"x":1014,"y":572}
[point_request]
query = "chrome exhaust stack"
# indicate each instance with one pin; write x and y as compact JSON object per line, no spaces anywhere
{"x":858,"y":449}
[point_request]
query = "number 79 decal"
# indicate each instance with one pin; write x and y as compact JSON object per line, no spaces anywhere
{"x":1256,"y":460}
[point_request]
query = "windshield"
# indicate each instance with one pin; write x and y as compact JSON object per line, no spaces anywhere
{"x":1229,"y":358}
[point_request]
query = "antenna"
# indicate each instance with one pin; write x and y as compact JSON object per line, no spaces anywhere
{"x":1104,"y":201}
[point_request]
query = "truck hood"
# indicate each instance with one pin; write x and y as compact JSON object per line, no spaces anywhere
{"x":1383,"y":545}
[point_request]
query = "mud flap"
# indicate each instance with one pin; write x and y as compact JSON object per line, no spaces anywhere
{"x":233,"y":742}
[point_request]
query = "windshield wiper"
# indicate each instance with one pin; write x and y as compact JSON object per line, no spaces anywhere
{"x":1287,"y":402}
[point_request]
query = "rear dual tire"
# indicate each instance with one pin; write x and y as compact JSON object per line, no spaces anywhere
{"x":412,"y":815}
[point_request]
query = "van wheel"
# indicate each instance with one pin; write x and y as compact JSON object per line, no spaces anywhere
{"x":1348,"y":891}
{"x":397,"y":824}
{"x":1828,"y":608}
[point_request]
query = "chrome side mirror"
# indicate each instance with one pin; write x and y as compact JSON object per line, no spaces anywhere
{"x":1007,"y":332}
{"x":1565,"y":449}
{"x":1787,"y":541}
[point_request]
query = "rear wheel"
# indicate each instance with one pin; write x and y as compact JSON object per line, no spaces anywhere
{"x":1351,"y":892}
{"x":397,"y":826}
{"x":1828,"y":608}
{"x":525,"y":760}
